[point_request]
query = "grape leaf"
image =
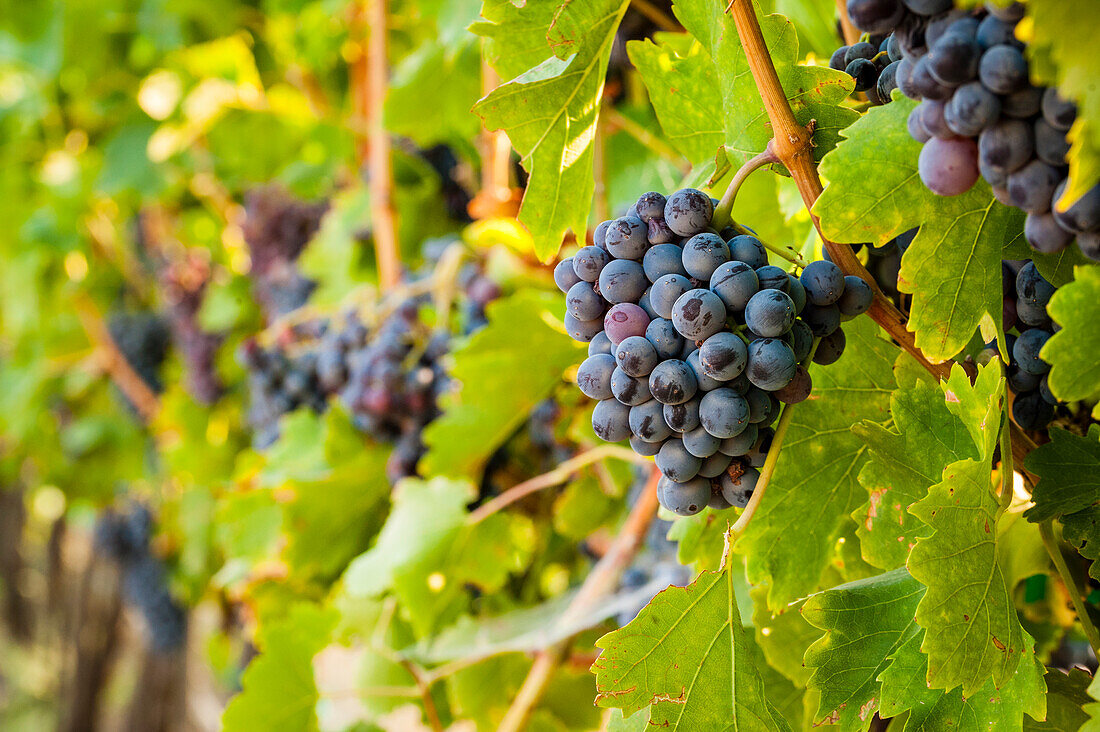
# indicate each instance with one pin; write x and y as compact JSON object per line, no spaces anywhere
{"x":505,"y":369}
{"x":1093,"y":707}
{"x":1059,"y":33}
{"x":636,"y":722}
{"x":516,"y":36}
{"x":681,"y":81}
{"x":1069,"y":474}
{"x":814,"y":490}
{"x":1057,"y":269}
{"x":279,"y":690}
{"x":953,"y":267}
{"x":1082,"y":529}
{"x":1020,"y":549}
{"x":701,"y":538}
{"x":550,"y":113}
{"x":783,"y":636}
{"x":1066,"y":697}
{"x":1074,"y":351}
{"x":814,"y":92}
{"x":447,"y":74}
{"x":979,"y":406}
{"x":968,"y":613}
{"x":688,"y":656}
{"x":904,"y":688}
{"x":904,"y":462}
{"x":864,"y":622}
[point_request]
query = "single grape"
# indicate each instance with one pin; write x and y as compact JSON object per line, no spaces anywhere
{"x":599,"y":234}
{"x":953,"y":59}
{"x":887,"y":81}
{"x":630,"y":390}
{"x":740,"y":444}
{"x":948,"y":167}
{"x":971,"y":109}
{"x":583,"y":302}
{"x":600,"y":343}
{"x":822,"y":319}
{"x":735,"y":283}
{"x":893,"y":48}
{"x":928,"y":7}
{"x":1005,"y":146}
{"x":622,"y":280}
{"x":916,"y":127}
{"x":748,"y":249}
{"x":723,"y":356}
{"x":1031,"y":314}
{"x":589,"y":262}
{"x":836,"y":61}
{"x":666,"y":291}
{"x":647,"y":422}
{"x":610,"y":420}
{"x":700,"y":443}
{"x":992,"y":31}
{"x":770,"y":313}
{"x":904,"y":79}
{"x":564,"y":276}
{"x":672,"y":382}
{"x":824,"y":282}
{"x":1009,"y":13}
{"x":1089,"y":244}
{"x":1083,"y":215}
{"x":1058,"y":111}
{"x":924,"y":84}
{"x":1046,"y":393}
{"x":582,"y":330}
{"x":643,"y":448}
{"x":1026,"y":351}
{"x":771,"y":364}
{"x":682,"y":418}
{"x":862,"y":49}
{"x":723,"y":413}
{"x":738,"y":490}
{"x":1019,"y":380}
{"x":1032,"y":186}
{"x":798,"y":390}
{"x":688,"y":212}
{"x":1051,"y":145}
{"x":773,"y":278}
{"x":1044,"y":234}
{"x":685,"y":498}
{"x":932,"y":118}
{"x":657,"y":232}
{"x":636,"y":356}
{"x":662,"y":334}
{"x":626,"y":238}
{"x":875,"y":16}
{"x":645,"y":304}
{"x":706,"y":383}
{"x":758,"y":454}
{"x":800,"y":339}
{"x":661,"y":260}
{"x":704,"y":253}
{"x":714,"y":466}
{"x":1003,"y":69}
{"x":676,"y":463}
{"x":624,"y":320}
{"x":1032,"y":286}
{"x":796,"y":291}
{"x":651,"y":206}
{"x":857,"y":297}
{"x":863,"y":72}
{"x":594,"y":376}
{"x":761,"y":409}
{"x":1031,"y":411}
{"x":698,"y":314}
{"x":830,"y":348}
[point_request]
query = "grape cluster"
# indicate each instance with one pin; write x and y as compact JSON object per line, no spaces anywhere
{"x":388,"y":375}
{"x":276,"y":229}
{"x":143,"y":339}
{"x":123,"y":536}
{"x":695,"y":340}
{"x":184,"y":283}
{"x":980,"y":115}
{"x":872,"y":64}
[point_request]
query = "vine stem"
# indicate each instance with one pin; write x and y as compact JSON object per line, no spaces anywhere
{"x":1046,"y":531}
{"x":794,"y":146}
{"x":724,"y":209}
{"x":1007,"y":468}
{"x":369,"y":78}
{"x":113,"y":361}
{"x":552,"y":478}
{"x":851,"y":33}
{"x":600,"y":582}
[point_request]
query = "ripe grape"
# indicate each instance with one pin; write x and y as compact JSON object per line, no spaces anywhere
{"x":700,"y":443}
{"x":661,"y":260}
{"x":798,"y":389}
{"x":856,"y":298}
{"x":735,"y":283}
{"x":662,"y":334}
{"x":622,"y":280}
{"x":685,"y":498}
{"x":748,"y":249}
{"x":594,"y":376}
{"x":648,"y":423}
{"x":1044,"y":234}
{"x":698,"y":314}
{"x":1050,"y":144}
{"x":830,"y":348}
{"x":723,"y":413}
{"x":703,"y":253}
{"x":672,"y":382}
{"x":1057,"y":111}
{"x":610,"y":420}
{"x":676,"y":462}
{"x":630,"y":390}
{"x":636,"y":356}
{"x":583,"y":302}
{"x":651,"y":206}
{"x":971,"y":109}
{"x":1032,"y":186}
{"x":581,"y":330}
{"x":624,"y":320}
{"x":771,"y":364}
{"x":948,"y":167}
{"x":589,"y":262}
{"x":688,"y":211}
{"x":625,"y":238}
{"x":740,"y":444}
{"x":1003,"y":69}
{"x":682,"y":417}
{"x":770,"y":313}
{"x":738,"y":490}
{"x":1083,"y":215}
{"x":875,"y":16}
{"x":723,"y":356}
{"x":564,"y":276}
{"x":1026,"y":351}
{"x":824,"y":282}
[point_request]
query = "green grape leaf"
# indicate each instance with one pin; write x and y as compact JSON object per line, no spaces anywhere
{"x":1067,"y":696}
{"x":279,"y":690}
{"x":688,"y":656}
{"x":448,"y":75}
{"x":516,"y":36}
{"x":1069,"y":474}
{"x":783,"y":636}
{"x":550,"y":113}
{"x":681,"y":81}
{"x":636,"y":722}
{"x":1074,"y":351}
{"x":1057,"y":269}
{"x":504,"y":369}
{"x":979,"y":406}
{"x":953,"y":266}
{"x":904,"y":688}
{"x":700,"y":538}
{"x":972,"y":628}
{"x":1020,"y":549}
{"x":1059,"y":34}
{"x":1082,"y":529}
{"x":814,"y":92}
{"x":1093,"y":707}
{"x":904,"y":463}
{"x":808,"y":506}
{"x":865,"y":622}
